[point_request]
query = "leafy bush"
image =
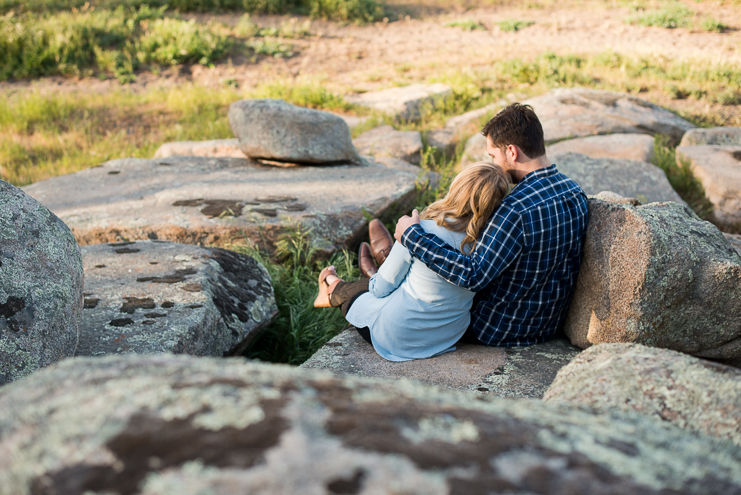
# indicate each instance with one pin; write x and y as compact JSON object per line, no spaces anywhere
{"x":307,"y":94}
{"x":512,"y":25}
{"x":670,"y":17}
{"x":712,"y":25}
{"x":344,"y":10}
{"x":466,"y":24}
{"x":274,"y":48}
{"x":171,"y":42}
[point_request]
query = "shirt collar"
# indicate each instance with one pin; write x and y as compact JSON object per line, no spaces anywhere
{"x":541,"y":172}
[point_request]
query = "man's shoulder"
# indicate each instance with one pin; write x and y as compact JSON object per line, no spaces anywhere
{"x":553,"y":187}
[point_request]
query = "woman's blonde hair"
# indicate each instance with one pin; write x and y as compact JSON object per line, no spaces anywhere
{"x":471,"y":199}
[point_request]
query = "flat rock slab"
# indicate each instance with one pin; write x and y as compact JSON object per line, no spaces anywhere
{"x":228,"y":148}
{"x":405,"y":102}
{"x":577,"y":112}
{"x":656,"y":275}
{"x":41,"y":281}
{"x":717,"y":136}
{"x":151,"y":296}
{"x":719,"y":170}
{"x":689,"y":392}
{"x":516,"y":372}
{"x":155,"y":425}
{"x":641,"y":180}
{"x":638,"y":147}
{"x":387,"y":141}
{"x":275,"y":130}
{"x":218,"y":201}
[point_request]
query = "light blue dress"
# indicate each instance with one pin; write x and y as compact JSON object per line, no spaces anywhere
{"x":412,"y":313}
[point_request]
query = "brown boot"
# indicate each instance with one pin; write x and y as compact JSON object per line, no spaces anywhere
{"x":381,"y":241}
{"x":365,"y":261}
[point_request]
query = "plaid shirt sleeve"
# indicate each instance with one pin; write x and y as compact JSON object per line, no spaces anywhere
{"x":499,"y":246}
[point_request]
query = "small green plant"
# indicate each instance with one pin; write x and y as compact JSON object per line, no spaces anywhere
{"x":728,"y":97}
{"x":245,"y":28}
{"x":512,"y":25}
{"x":466,"y":25}
{"x":712,"y":25}
{"x":311,"y":94}
{"x":358,"y":11}
{"x":670,"y":17}
{"x":294,"y":29}
{"x":271,"y":47}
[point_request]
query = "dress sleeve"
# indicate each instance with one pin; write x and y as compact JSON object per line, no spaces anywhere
{"x":392,"y":273}
{"x":500,"y":245}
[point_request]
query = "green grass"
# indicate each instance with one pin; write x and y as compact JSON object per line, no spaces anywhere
{"x":466,"y":24}
{"x":671,"y":16}
{"x":512,"y":25}
{"x":712,"y":25}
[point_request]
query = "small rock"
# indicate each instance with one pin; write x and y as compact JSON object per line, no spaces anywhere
{"x":41,"y":282}
{"x":719,"y":170}
{"x":276,"y":130}
{"x":219,"y":201}
{"x":387,"y":141}
{"x":164,"y":424}
{"x":164,"y":297}
{"x":689,"y":392}
{"x":213,"y":148}
{"x":516,"y":372}
{"x":656,"y":275}
{"x":576,"y":112}
{"x":638,"y":147}
{"x":405,"y":102}
{"x":475,"y":151}
{"x":641,"y":180}
{"x":717,"y":136}
{"x":444,"y":140}
{"x":612,"y":197}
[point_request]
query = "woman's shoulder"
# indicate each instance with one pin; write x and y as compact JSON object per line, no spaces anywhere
{"x":453,"y":239}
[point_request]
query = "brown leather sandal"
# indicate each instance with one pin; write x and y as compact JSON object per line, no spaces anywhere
{"x":324,"y":298}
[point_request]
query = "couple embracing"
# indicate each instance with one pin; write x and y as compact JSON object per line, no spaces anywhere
{"x":485,"y":264}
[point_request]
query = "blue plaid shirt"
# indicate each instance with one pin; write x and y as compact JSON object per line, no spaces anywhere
{"x":524,"y":266}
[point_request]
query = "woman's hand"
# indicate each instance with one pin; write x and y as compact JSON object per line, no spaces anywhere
{"x":404,"y":223}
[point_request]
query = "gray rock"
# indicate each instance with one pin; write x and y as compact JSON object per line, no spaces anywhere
{"x":405,"y":102}
{"x":278,"y":131}
{"x":444,"y":140}
{"x":475,"y":151}
{"x":612,"y":197}
{"x":657,"y":275}
{"x":735,"y":241}
{"x":220,"y":201}
{"x":518,"y":372}
{"x":638,"y":147}
{"x":576,"y":112}
{"x":719,"y":170}
{"x":474,"y":116}
{"x":214,"y":148}
{"x":151,"y":296}
{"x":641,"y":180}
{"x":173,"y":424}
{"x":717,"y":136}
{"x":460,"y":127}
{"x":352,"y":121}
{"x":674,"y":387}
{"x":41,"y":282}
{"x":387,"y":141}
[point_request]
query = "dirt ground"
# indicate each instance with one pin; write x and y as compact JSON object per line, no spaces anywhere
{"x":359,"y":58}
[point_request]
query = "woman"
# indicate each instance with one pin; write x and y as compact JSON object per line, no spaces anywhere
{"x":407,"y":311}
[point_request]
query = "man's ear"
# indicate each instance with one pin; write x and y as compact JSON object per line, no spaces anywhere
{"x":515,"y":151}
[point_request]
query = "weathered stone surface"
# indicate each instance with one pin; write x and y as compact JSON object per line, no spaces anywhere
{"x":460,"y":127}
{"x":519,"y":372}
{"x":41,"y":282}
{"x":638,"y":147}
{"x":352,"y":121}
{"x":717,"y":136}
{"x":175,"y":424}
{"x":152,"y":296}
{"x":278,"y":131}
{"x":215,"y":148}
{"x":218,"y":201}
{"x":405,"y":102}
{"x":473,"y":117}
{"x":387,"y":141}
{"x":576,"y":112}
{"x":735,"y":241}
{"x":657,"y":275}
{"x":475,"y":151}
{"x":641,"y":180}
{"x":674,"y":387}
{"x":719,"y":170}
{"x":443,"y":139}
{"x":612,"y":197}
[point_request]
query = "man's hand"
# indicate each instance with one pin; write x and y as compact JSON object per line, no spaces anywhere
{"x":404,"y":223}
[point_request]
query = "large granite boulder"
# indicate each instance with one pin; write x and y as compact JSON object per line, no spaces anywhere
{"x":175,"y":424}
{"x":213,"y":148}
{"x":638,"y":147}
{"x":718,"y":168}
{"x":514,"y":372}
{"x":689,"y":392}
{"x":387,"y":141}
{"x":153,"y":296}
{"x":220,"y":201}
{"x":641,"y":180}
{"x":278,"y":131}
{"x":717,"y":136}
{"x":41,"y":281}
{"x":404,"y":102}
{"x":657,"y":275}
{"x":576,"y":112}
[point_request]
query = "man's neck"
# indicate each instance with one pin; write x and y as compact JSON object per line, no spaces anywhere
{"x":521,"y":169}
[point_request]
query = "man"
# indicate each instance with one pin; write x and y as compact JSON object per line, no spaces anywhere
{"x":525,"y":266}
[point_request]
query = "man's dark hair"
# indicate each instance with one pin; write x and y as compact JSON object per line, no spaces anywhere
{"x":517,"y":124}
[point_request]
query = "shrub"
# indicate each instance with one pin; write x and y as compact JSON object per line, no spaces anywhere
{"x":712,"y":25}
{"x":511,"y":25}
{"x":466,"y":24}
{"x":670,"y":17}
